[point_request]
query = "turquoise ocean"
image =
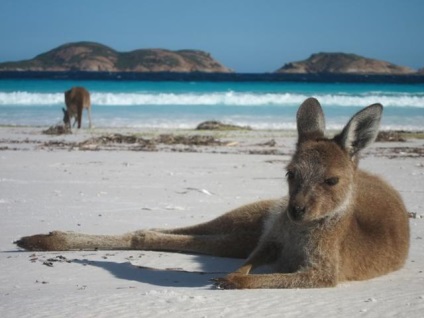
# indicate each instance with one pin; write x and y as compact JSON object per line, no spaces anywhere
{"x":185,"y":104}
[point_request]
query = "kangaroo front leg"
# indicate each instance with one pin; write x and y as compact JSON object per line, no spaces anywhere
{"x":308,"y":279}
{"x":266,"y":253}
{"x":323,"y":274}
{"x":89,"y":117}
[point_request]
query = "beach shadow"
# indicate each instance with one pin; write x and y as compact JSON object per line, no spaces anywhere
{"x":166,"y":277}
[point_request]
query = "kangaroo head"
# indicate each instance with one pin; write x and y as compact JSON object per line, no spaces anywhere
{"x":321,"y":174}
{"x":67,"y":93}
{"x":66,"y":118}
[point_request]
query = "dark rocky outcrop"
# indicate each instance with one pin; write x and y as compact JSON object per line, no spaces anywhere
{"x":216,"y":125}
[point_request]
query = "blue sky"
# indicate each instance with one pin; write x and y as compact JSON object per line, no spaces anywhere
{"x":245,"y":35}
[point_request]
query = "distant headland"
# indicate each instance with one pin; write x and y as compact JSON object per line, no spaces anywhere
{"x":90,"y":59}
{"x":343,"y":63}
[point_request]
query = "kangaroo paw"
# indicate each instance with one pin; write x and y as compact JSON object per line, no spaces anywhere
{"x":54,"y":241}
{"x":228,"y":282}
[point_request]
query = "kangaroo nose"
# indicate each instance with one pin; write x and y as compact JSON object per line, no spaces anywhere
{"x":297,"y":212}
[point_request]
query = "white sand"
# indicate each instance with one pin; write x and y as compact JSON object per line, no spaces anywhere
{"x":103,"y":192}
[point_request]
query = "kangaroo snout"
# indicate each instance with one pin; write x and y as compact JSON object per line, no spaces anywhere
{"x":296,"y":212}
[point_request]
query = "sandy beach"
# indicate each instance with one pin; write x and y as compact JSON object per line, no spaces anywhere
{"x":111,"y":181}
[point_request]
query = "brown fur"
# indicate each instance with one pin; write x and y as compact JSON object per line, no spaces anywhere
{"x":337,"y":224}
{"x":76,"y":99}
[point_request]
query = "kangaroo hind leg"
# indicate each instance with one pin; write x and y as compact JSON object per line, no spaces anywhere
{"x":65,"y":241}
{"x":234,"y":234}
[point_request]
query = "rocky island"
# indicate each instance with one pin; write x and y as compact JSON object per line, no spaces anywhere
{"x":342,"y":63}
{"x":90,"y":56}
{"x":90,"y":60}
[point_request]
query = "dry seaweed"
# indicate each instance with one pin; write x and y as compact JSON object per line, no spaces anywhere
{"x":191,"y":140}
{"x":391,"y":135}
{"x":58,"y":130}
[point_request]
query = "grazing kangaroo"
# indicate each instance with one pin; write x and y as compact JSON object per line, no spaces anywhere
{"x":338,"y":223}
{"x":76,"y":99}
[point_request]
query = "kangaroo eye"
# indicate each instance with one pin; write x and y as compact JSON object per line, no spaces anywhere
{"x":290,"y":175}
{"x":332,"y":181}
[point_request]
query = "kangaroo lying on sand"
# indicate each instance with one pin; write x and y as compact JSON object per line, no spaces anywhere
{"x":337,"y":224}
{"x":76,"y":99}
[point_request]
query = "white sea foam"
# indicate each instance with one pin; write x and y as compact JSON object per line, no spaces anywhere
{"x":216,"y":98}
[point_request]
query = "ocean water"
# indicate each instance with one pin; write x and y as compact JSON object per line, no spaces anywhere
{"x":174,"y":104}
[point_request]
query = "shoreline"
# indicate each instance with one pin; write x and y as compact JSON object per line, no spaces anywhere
{"x":412,"y":78}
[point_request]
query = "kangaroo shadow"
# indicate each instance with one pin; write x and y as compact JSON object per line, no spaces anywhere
{"x":167,"y":277}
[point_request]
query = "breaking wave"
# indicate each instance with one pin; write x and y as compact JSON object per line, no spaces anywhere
{"x":217,"y":98}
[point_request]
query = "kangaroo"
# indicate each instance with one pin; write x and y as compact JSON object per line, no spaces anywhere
{"x":338,"y":223}
{"x":76,"y":99}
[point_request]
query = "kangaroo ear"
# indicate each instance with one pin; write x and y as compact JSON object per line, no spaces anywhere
{"x":361,"y":130}
{"x":310,"y":120}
